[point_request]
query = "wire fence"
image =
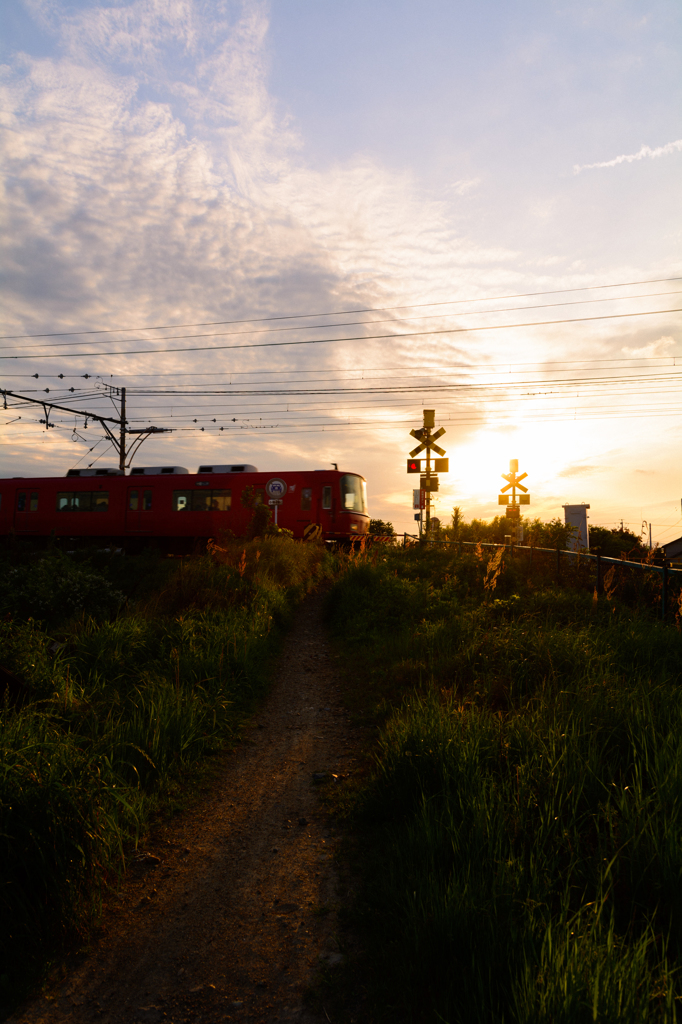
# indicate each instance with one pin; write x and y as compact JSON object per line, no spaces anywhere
{"x":654,"y":578}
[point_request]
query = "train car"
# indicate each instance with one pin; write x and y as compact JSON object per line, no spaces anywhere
{"x":176,"y":508}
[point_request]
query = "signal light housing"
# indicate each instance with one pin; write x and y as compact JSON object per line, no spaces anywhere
{"x":441,"y":465}
{"x":414,"y":465}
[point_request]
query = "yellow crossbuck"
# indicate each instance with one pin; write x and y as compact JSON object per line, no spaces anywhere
{"x":427,"y":445}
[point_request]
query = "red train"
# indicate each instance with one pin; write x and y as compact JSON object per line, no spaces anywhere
{"x":177,"y":508}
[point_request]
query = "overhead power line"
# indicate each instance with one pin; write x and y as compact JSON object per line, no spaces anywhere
{"x":353,"y":323}
{"x":360,"y":337}
{"x":341,"y":312}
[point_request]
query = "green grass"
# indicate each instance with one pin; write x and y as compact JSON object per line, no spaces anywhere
{"x":120,"y":710}
{"x":522,"y":827}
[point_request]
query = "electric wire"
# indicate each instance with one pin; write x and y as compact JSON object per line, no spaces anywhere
{"x":363,"y":337}
{"x":353,"y":323}
{"x":347,"y":312}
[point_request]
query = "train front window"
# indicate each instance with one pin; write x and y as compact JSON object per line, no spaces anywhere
{"x":353,"y":494}
{"x":326,"y":497}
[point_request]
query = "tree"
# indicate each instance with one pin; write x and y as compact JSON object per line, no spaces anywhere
{"x":457,"y":522}
{"x":613,"y":543}
{"x":379,"y":527}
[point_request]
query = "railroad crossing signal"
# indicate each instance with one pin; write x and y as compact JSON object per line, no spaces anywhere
{"x":513,"y":512}
{"x":427,"y":468}
{"x":514,"y":478}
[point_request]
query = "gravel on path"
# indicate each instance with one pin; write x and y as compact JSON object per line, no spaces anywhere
{"x":230,"y":911}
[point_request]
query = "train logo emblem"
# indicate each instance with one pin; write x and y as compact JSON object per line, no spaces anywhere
{"x":275,"y":488}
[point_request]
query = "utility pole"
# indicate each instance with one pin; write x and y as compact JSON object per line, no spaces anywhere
{"x":428,"y":480}
{"x":122,"y":441}
{"x":125,"y":454}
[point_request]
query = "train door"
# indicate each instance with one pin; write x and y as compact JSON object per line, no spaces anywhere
{"x":308,"y":514}
{"x":25,"y":510}
{"x":139,"y":506}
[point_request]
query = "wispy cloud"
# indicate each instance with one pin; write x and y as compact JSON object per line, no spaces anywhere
{"x":646,"y":152}
{"x":660,"y":347}
{"x":578,"y":469}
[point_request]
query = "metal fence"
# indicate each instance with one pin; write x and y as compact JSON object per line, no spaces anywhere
{"x":667,"y":570}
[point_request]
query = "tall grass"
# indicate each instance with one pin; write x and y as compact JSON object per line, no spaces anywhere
{"x":523,"y":823}
{"x":117,"y":713}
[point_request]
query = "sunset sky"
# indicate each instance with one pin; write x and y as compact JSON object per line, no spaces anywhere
{"x":495,"y":186}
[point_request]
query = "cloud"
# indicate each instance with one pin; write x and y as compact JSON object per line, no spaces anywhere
{"x":460,"y":188}
{"x":646,"y":152}
{"x":578,"y":469}
{"x":661,"y":347}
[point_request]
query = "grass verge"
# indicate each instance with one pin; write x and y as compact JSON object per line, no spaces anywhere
{"x":137,"y":671}
{"x":520,"y":835}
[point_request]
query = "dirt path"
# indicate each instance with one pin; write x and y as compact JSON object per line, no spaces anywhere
{"x":230,"y":913}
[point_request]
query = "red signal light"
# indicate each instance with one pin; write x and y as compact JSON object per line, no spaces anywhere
{"x":414,"y":465}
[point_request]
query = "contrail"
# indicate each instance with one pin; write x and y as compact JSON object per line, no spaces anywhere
{"x":628,"y":158}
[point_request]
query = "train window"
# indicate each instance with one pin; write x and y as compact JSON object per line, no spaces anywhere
{"x":27,"y":501}
{"x":132,"y":501}
{"x":147,"y":501}
{"x":201,"y":501}
{"x":252,"y":496}
{"x":182,"y":501}
{"x":353,"y":493}
{"x":306,"y":498}
{"x":82,"y":501}
{"x":221,"y":501}
{"x":326,"y":497}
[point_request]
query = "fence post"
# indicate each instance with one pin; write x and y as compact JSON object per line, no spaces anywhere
{"x":599,"y":585}
{"x":558,"y":565}
{"x":664,"y":592}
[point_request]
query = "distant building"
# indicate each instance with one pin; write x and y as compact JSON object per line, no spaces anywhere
{"x":576,"y":515}
{"x":673,"y":549}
